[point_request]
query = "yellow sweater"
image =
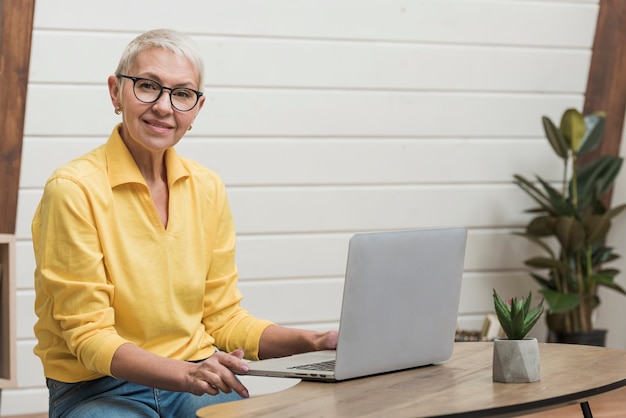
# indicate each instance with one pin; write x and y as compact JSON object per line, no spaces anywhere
{"x":108,"y":272}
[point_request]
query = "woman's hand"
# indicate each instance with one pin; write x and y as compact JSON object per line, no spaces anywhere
{"x":217,"y":373}
{"x":277,"y":341}
{"x":327,"y":341}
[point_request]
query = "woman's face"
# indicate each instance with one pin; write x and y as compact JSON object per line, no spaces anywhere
{"x":154,"y":127}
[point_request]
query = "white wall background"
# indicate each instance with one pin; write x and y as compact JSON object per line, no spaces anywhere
{"x":325,"y":118}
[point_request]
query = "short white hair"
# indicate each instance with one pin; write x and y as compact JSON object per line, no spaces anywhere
{"x":168,"y":39}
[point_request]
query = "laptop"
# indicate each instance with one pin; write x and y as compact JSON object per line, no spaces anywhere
{"x":399,"y":310}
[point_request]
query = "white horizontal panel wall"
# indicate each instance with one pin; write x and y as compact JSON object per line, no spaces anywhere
{"x":25,"y":264}
{"x":323,"y":161}
{"x":292,"y":210}
{"x":281,"y":255}
{"x":30,"y":370}
{"x":508,"y":22}
{"x":273,"y":210}
{"x":326,"y":118}
{"x":266,"y":112}
{"x":344,"y":65}
{"x":24,"y":303}
{"x":324,"y":255}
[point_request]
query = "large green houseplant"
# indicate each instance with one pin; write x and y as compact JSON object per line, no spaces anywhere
{"x":572,"y":221}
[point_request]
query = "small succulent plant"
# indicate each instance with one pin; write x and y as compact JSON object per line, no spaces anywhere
{"x":516,"y":317}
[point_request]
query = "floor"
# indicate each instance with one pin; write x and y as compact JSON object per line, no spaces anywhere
{"x":608,"y":405}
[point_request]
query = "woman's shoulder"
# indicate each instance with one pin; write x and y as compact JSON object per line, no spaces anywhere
{"x":78,"y":178}
{"x":83,"y":166}
{"x":199,"y":171}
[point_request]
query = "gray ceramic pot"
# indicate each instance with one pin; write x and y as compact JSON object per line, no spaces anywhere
{"x":516,"y":361}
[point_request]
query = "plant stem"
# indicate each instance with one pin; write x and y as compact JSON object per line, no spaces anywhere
{"x":560,"y":281}
{"x":586,"y":303}
{"x":574,"y":188}
{"x":582,"y":315}
{"x":582,"y":304}
{"x":564,"y":182}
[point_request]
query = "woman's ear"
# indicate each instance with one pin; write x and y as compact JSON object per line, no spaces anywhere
{"x":114,"y":91}
{"x":200,"y":104}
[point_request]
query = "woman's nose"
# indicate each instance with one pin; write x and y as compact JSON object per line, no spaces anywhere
{"x":163,"y":104}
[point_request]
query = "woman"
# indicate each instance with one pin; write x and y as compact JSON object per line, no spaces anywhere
{"x":137,"y":300}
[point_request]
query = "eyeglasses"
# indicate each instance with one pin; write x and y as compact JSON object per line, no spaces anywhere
{"x":146,"y":90}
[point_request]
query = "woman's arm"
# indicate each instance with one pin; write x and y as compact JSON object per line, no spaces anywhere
{"x":215,"y":374}
{"x":277,"y":341}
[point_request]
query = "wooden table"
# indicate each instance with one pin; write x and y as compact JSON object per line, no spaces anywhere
{"x":461,"y":387}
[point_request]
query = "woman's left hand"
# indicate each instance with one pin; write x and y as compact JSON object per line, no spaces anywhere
{"x":327,"y":341}
{"x":217,"y":373}
{"x":277,"y":341}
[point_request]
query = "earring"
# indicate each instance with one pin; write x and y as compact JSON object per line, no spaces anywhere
{"x":118,"y":110}
{"x":189,"y":128}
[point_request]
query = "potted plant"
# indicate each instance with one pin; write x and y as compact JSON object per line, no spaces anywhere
{"x":570,"y":225}
{"x":516,"y":358}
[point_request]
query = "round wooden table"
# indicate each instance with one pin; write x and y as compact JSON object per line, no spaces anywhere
{"x":461,"y":387}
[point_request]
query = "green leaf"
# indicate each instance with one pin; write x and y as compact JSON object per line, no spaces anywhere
{"x":595,"y":125}
{"x":602,"y":255}
{"x":532,"y":318}
{"x":616,"y":211}
{"x":557,"y":201}
{"x":571,"y":233}
{"x":597,"y":228}
{"x":537,"y":241}
{"x":534,"y":192}
{"x":543,"y":282}
{"x":516,"y":318}
{"x":560,"y":302}
{"x":503,"y":313}
{"x":616,"y":287}
{"x":555,"y":137}
{"x":573,"y":128}
{"x":517,"y":322}
{"x":525,"y":304}
{"x":595,"y":178}
{"x":609,"y":272}
{"x":550,"y":263}
{"x":542,"y":226}
{"x":606,"y":280}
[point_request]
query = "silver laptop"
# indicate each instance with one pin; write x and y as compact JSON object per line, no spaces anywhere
{"x":399,"y":311}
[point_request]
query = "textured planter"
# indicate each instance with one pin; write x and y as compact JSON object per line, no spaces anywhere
{"x":516,"y":361}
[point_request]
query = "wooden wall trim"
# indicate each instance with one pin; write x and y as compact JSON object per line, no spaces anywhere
{"x":16,"y":27}
{"x":606,"y":85}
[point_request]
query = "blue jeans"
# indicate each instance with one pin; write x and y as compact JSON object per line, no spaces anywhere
{"x":111,"y":398}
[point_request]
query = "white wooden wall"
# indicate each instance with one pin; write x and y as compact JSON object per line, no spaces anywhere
{"x":325,"y":118}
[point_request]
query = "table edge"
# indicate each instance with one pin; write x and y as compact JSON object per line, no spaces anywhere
{"x":538,"y":406}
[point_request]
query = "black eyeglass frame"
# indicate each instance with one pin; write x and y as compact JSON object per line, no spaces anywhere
{"x":171,"y":89}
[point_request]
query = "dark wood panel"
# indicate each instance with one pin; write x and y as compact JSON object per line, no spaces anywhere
{"x":606,"y":86}
{"x":16,"y":26}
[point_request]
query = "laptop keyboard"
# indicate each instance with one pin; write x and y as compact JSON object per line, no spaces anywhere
{"x":323,"y":365}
